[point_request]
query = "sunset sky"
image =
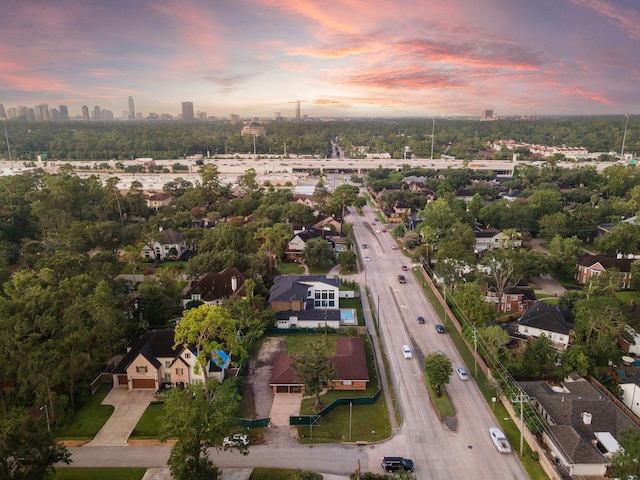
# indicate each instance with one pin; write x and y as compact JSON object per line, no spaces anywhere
{"x":341,"y":58}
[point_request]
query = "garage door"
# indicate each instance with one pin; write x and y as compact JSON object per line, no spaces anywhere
{"x":122,"y":380}
{"x":144,"y":383}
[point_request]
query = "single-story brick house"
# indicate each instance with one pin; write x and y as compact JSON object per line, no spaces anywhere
{"x":350,"y":364}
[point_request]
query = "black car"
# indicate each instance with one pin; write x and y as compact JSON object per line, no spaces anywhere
{"x":421,"y":320}
{"x":397,"y":464}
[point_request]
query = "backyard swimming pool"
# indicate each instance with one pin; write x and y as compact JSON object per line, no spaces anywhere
{"x":348,"y":316}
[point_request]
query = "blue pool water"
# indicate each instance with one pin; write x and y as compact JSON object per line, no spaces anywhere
{"x":347,"y":315}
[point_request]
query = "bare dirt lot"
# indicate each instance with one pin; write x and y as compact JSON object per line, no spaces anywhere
{"x":257,"y":392}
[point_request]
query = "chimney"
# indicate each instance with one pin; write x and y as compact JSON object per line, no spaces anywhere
{"x":586,"y":418}
{"x":234,"y":283}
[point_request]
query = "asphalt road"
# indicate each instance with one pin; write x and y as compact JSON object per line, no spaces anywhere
{"x":437,"y":452}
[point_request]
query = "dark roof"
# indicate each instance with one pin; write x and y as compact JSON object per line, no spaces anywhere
{"x":526,"y":292}
{"x":170,"y":237}
{"x":622,"y":264}
{"x":311,"y":314}
{"x":152,"y":345}
{"x":548,"y":317}
{"x":213,"y":286}
{"x":287,"y":288}
{"x":488,"y":232}
{"x":566,"y":408}
{"x":349,"y":360}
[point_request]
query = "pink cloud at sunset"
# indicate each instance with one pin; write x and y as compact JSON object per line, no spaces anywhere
{"x":339,"y":57}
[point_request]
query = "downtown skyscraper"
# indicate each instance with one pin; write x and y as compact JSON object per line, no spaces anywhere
{"x":187,"y":112}
{"x":132,"y":109}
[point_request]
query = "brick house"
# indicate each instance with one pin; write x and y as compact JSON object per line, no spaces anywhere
{"x":152,"y":360}
{"x":591,"y":265}
{"x":514,"y":299}
{"x":350,"y":364}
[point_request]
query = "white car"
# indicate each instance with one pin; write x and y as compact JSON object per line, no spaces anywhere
{"x":499,"y":440}
{"x":236,"y":440}
{"x":406,"y":351}
{"x":367,"y":259}
{"x":462,"y":373}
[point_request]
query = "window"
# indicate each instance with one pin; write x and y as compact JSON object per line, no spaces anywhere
{"x":347,"y":382}
{"x":141,"y":369}
{"x":187,"y":355}
{"x":167,"y":377}
{"x":167,"y":363}
{"x":179,"y":371}
{"x":332,"y":303}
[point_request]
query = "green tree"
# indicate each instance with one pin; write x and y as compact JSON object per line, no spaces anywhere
{"x":210,"y":328}
{"x":319,"y":253}
{"x":28,"y":450}
{"x":622,"y":238}
{"x":626,"y":463}
{"x":553,"y":224}
{"x":199,"y":418}
{"x":273,"y":240}
{"x":598,"y":321}
{"x":577,"y":360}
{"x":539,"y":357}
{"x":348,"y":260}
{"x":438,"y":369}
{"x":471,"y":298}
{"x":564,"y":253}
{"x":315,"y":369}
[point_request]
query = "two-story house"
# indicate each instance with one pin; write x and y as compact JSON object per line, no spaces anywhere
{"x":214,"y":288}
{"x":297,"y":244}
{"x":514,"y":299}
{"x":583,"y":425}
{"x":592,"y":265}
{"x":152,"y":360}
{"x":305,"y":301}
{"x":490,"y":238}
{"x":552,"y":321}
{"x":170,"y":246}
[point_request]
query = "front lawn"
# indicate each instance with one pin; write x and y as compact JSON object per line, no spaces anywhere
{"x":282,"y":474}
{"x":66,"y":473}
{"x":148,"y":427}
{"x":88,"y":421}
{"x":290,"y":268}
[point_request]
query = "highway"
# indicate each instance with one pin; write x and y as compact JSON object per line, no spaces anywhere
{"x":437,"y":452}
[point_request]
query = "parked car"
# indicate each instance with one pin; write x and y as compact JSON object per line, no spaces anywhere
{"x":499,"y":440}
{"x":406,"y":351}
{"x":235,"y":440}
{"x":421,"y":320}
{"x":397,"y":464}
{"x":462,"y":373}
{"x":440,"y":328}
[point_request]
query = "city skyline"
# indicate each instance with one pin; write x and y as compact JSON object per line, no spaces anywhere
{"x":338,"y":58}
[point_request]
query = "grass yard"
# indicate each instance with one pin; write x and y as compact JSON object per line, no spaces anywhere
{"x":298,"y":343}
{"x":319,"y":271}
{"x":88,"y":421}
{"x":290,"y":268}
{"x":148,"y":427}
{"x":281,"y":474}
{"x":99,"y":473}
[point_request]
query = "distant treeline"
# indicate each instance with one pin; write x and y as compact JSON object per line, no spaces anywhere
{"x":464,"y":139}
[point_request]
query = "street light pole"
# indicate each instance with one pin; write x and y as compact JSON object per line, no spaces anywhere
{"x":46,"y":412}
{"x":350,"y":412}
{"x":523,"y":397}
{"x":475,"y":352}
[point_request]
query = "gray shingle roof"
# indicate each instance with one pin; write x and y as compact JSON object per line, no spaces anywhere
{"x":548,"y":317}
{"x":566,"y":408}
{"x":288,"y":288}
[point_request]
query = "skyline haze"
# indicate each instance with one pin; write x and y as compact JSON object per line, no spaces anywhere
{"x":339,"y":58}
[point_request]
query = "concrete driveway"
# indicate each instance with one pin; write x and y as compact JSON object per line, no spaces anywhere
{"x":129,"y":407}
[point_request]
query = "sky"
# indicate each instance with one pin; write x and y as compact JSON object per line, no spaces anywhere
{"x":339,"y":58}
